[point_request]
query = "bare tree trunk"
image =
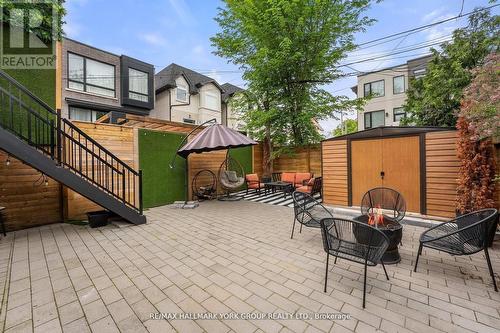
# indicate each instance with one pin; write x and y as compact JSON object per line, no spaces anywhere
{"x":267,"y":153}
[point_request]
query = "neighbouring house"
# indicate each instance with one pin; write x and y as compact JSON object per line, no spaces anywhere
{"x":185,"y":96}
{"x":388,"y":88}
{"x":95,"y":82}
{"x":229,"y":117}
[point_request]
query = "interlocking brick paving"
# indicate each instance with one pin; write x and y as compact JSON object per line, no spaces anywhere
{"x":229,"y":257}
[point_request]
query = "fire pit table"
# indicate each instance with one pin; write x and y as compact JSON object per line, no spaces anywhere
{"x":391,"y":228}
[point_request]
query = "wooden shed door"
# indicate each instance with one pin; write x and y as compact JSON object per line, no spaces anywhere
{"x":397,"y":158}
{"x":366,"y":165}
{"x":401,"y":165}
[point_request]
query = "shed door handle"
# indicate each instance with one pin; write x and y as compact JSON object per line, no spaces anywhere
{"x":382,"y":174}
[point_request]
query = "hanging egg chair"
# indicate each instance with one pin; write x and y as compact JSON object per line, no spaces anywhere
{"x":231,"y":178}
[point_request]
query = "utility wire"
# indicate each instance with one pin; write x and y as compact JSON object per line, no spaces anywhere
{"x":427,"y":26}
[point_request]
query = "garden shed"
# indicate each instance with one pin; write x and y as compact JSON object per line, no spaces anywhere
{"x":419,"y":162}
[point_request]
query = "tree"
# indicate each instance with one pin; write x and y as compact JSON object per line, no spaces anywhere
{"x":435,"y":99}
{"x":478,"y":123}
{"x":288,"y":51}
{"x":481,"y":102}
{"x":346,"y":127}
{"x":476,"y":186}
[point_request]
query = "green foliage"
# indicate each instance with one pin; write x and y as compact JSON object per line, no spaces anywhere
{"x":347,"y":126}
{"x":481,"y":102}
{"x":45,"y":31}
{"x":288,"y":51}
{"x":161,"y":184}
{"x":435,"y":99}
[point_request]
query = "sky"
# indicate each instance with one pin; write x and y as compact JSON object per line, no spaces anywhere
{"x":164,"y":31}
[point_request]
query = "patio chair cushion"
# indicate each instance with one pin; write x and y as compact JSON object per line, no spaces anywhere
{"x":256,"y":185}
{"x":252,"y":177}
{"x":300,"y":177}
{"x":288,"y":177}
{"x":232,"y":176}
{"x":304,"y":189}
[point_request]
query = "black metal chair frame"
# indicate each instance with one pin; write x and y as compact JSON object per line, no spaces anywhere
{"x":276,"y":176}
{"x":195,"y":189}
{"x":354,"y":251}
{"x":302,"y":211}
{"x":367,"y":204}
{"x":456,"y":239}
{"x":316,"y":188}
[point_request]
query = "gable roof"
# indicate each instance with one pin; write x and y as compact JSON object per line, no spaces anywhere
{"x":165,"y":79}
{"x":229,"y":90}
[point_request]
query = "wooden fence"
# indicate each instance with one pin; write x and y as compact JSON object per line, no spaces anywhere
{"x":300,"y":160}
{"x":28,"y":201}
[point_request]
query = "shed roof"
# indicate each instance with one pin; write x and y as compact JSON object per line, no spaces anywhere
{"x":386,"y":131}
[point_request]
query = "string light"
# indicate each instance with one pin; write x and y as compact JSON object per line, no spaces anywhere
{"x":7,"y":161}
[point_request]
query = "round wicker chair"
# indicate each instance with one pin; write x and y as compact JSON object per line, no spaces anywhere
{"x":231,"y":178}
{"x":204,"y":185}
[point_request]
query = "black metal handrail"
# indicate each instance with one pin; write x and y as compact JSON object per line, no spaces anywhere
{"x":32,"y":120}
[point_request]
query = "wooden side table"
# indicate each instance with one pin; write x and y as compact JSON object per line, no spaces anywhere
{"x":2,"y":221}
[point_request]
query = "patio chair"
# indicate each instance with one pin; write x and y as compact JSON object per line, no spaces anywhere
{"x":391,"y":202}
{"x":465,"y":235}
{"x":353,"y":241}
{"x":307,"y":211}
{"x":312,"y":187}
{"x":276,"y":176}
{"x":253,"y":183}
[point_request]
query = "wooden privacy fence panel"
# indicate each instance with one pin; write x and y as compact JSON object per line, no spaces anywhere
{"x":335,"y":173}
{"x":119,"y":140}
{"x":28,"y":201}
{"x":442,"y":166}
{"x":301,"y":160}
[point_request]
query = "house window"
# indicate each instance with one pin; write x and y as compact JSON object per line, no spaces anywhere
{"x":212,"y":101}
{"x":82,"y":114}
{"x":374,"y":119}
{"x":91,"y":76}
{"x":399,"y":113}
{"x":398,"y":84}
{"x":138,"y":85}
{"x":419,"y":73}
{"x":376,"y":88}
{"x":181,"y":93}
{"x":189,"y":121}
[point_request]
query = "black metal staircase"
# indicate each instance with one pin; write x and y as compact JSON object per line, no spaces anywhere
{"x":34,"y":133}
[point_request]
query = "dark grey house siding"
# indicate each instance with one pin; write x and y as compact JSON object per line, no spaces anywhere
{"x":69,"y":45}
{"x":120,"y":102}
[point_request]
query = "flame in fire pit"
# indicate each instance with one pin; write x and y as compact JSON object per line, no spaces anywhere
{"x":376,"y":218}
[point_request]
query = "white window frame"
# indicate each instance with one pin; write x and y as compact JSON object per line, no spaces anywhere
{"x":181,"y":87}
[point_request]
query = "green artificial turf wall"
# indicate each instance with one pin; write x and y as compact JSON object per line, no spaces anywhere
{"x":244,"y":156}
{"x":161,"y":185}
{"x":40,"y":82}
